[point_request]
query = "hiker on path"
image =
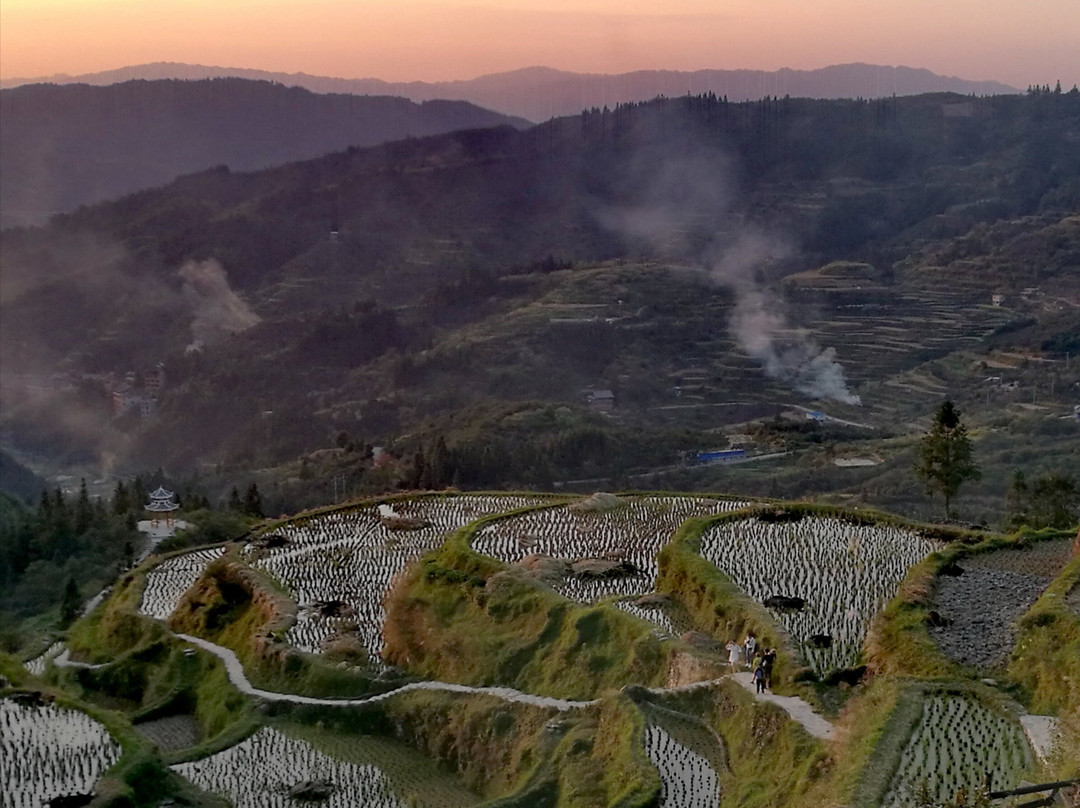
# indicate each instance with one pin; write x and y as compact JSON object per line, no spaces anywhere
{"x":750,"y":646}
{"x":767,"y":660}
{"x":734,"y":652}
{"x":759,"y":672}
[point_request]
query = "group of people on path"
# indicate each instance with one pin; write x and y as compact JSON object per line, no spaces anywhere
{"x":760,"y":660}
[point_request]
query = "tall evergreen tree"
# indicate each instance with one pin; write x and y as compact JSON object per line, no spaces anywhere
{"x":84,"y":512}
{"x":945,"y":459}
{"x":121,"y":502}
{"x":253,"y":501}
{"x":71,"y":603}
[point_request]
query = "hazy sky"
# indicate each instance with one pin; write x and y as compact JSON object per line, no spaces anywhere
{"x":1019,"y":42}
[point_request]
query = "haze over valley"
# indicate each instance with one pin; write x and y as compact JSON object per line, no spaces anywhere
{"x":637,"y":431}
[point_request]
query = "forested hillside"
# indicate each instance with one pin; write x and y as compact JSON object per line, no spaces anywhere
{"x":482,"y":286}
{"x":68,"y":145}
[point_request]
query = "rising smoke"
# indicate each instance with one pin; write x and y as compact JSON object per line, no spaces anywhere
{"x":759,"y":327}
{"x":216,"y":309}
{"x":688,"y":195}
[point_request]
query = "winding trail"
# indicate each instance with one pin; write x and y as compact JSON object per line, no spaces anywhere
{"x":240,"y":681}
{"x":795,"y":707}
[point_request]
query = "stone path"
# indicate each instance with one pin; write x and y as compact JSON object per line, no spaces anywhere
{"x":240,"y":681}
{"x":1040,"y":731}
{"x":795,"y":707}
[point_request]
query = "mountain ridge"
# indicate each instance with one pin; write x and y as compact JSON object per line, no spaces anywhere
{"x":69,"y":145}
{"x":567,"y":92}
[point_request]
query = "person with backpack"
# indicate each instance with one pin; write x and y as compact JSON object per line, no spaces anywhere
{"x":767,"y":660}
{"x":759,"y":672}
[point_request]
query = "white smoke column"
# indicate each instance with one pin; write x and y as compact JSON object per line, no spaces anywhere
{"x":686,"y":192}
{"x":759,"y":327}
{"x":218,"y":311}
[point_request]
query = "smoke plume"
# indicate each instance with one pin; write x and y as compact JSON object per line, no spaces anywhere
{"x":760,"y":328}
{"x":689,"y":203}
{"x":218,"y":311}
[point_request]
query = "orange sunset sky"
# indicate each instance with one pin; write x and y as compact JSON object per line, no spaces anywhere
{"x":1019,"y":42}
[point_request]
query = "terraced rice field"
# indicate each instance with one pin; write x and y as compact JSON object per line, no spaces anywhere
{"x":634,"y":532}
{"x":687,"y":780}
{"x":670,"y":618}
{"x":846,"y":573}
{"x":352,"y":556}
{"x":168,"y":581}
{"x":37,"y":665}
{"x":48,"y":751}
{"x":887,"y":335}
{"x":956,"y":742}
{"x":259,"y":771}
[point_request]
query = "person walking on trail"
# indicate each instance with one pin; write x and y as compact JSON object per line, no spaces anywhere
{"x":759,"y":672}
{"x":767,"y":660}
{"x":749,"y":646}
{"x":734,"y":652}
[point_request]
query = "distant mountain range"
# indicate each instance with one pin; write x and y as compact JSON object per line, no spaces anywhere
{"x":539,"y":93}
{"x":62,"y":146}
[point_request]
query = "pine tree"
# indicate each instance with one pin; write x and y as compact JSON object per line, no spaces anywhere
{"x":1016,"y":500}
{"x":253,"y":501}
{"x":71,"y":604}
{"x":945,"y":459}
{"x":120,"y":503}
{"x":84,"y":513}
{"x":138,"y":496}
{"x":234,"y":500}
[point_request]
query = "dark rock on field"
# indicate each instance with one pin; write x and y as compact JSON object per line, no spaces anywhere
{"x":334,"y":608}
{"x":602,"y":568}
{"x":32,"y":698}
{"x":935,"y":620}
{"x":846,"y":676}
{"x":784,"y":602}
{"x":71,"y":801}
{"x":653,"y":600}
{"x":312,"y":790}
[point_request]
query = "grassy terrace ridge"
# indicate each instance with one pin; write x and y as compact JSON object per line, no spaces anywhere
{"x":242,"y":609}
{"x":717,"y":606}
{"x":1046,"y":665}
{"x":461,"y":616}
{"x":514,"y":755}
{"x":140,"y":776}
